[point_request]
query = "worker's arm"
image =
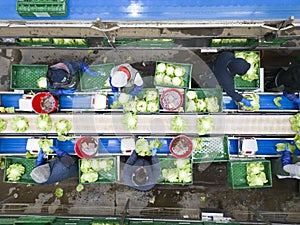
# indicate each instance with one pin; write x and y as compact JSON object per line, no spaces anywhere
{"x":292,"y":97}
{"x":40,"y":159}
{"x":59,"y":153}
{"x":138,"y":85}
{"x":132,"y":159}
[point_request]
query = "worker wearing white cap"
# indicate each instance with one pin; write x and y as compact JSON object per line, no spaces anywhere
{"x":125,"y":76}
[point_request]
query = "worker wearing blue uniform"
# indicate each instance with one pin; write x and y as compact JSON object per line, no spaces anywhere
{"x":288,"y":79}
{"x":63,"y":78}
{"x":55,"y":170}
{"x":125,"y":76}
{"x":225,"y":67}
{"x":140,"y":172}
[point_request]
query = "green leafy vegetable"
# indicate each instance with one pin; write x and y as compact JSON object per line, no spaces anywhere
{"x":255,"y":174}
{"x":205,"y":125}
{"x":169,"y":74}
{"x":3,"y":124}
{"x":59,"y":192}
{"x":197,"y":144}
{"x":101,"y":164}
{"x":2,"y":162}
{"x":123,"y":98}
{"x":297,"y":140}
{"x":155,"y":143}
{"x":142,"y":147}
{"x":130,"y":120}
{"x":15,"y":171}
{"x":180,"y":172}
{"x":19,"y":123}
{"x":195,"y":104}
{"x":79,"y":188}
{"x":179,"y":124}
{"x":44,"y":122}
{"x":63,"y":126}
{"x":170,"y":175}
{"x":252,"y":58}
{"x":42,"y":82}
{"x":255,"y":102}
{"x":295,"y":122}
{"x":89,"y":176}
{"x":46,"y":144}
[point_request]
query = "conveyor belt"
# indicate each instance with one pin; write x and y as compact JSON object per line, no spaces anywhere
{"x":159,"y":124}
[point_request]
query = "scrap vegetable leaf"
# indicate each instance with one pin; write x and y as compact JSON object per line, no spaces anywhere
{"x":295,"y":122}
{"x":59,"y":192}
{"x":19,"y":123}
{"x":276,"y":101}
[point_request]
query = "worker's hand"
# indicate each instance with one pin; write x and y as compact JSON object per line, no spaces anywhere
{"x":116,"y":96}
{"x":40,"y":158}
{"x":287,"y":148}
{"x":246,"y":102}
{"x":54,"y":148}
{"x":130,"y":98}
{"x":153,"y":151}
{"x":297,"y":101}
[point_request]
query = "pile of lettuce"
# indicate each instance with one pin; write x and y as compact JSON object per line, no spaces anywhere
{"x":19,"y":124}
{"x":130,"y":120}
{"x":195,"y":104}
{"x":253,"y":58}
{"x":90,"y":168}
{"x":147,"y":101}
{"x":255,"y":102}
{"x":280,"y":147}
{"x":179,"y":172}
{"x":179,"y":124}
{"x":255,"y":174}
{"x":15,"y":171}
{"x":169,"y":74}
{"x":69,"y":41}
{"x":7,"y":109}
{"x":205,"y":124}
{"x":143,"y":147}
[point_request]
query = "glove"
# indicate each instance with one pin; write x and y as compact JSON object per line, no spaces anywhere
{"x":286,"y":158}
{"x":84,"y":68}
{"x":246,"y":102}
{"x":290,"y":97}
{"x":116,"y":96}
{"x":153,"y":151}
{"x":40,"y":158}
{"x":59,"y":153}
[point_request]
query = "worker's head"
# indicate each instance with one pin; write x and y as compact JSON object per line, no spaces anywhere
{"x":57,"y":75}
{"x":40,"y":174}
{"x":139,"y":177}
{"x":238,"y":66}
{"x":119,"y":79}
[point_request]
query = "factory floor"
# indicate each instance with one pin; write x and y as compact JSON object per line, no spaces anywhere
{"x":210,"y":190}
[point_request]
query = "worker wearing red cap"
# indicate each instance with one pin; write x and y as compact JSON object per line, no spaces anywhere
{"x":125,"y":76}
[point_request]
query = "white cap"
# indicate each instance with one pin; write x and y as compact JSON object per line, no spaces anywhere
{"x":40,"y":174}
{"x":119,"y":79}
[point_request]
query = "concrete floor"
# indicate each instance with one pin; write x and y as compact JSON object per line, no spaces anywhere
{"x":280,"y":203}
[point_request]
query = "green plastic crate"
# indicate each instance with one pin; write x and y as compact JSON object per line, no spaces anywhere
{"x":141,"y":96}
{"x":99,"y":82}
{"x":155,"y":43}
{"x":25,"y":77}
{"x":186,"y":77}
{"x":211,"y":149}
{"x":203,"y":93}
{"x":32,"y":42}
{"x":42,"y":8}
{"x":237,"y":173}
{"x":168,"y":163}
{"x":61,"y":221}
{"x":29,"y":165}
{"x":109,"y":176}
{"x":240,"y":84}
{"x":145,"y":222}
{"x":234,"y":42}
{"x":7,"y":221}
{"x":64,"y":44}
{"x":36,"y":220}
{"x":111,"y":221}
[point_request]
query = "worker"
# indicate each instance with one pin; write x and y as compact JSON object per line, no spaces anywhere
{"x":55,"y":170}
{"x":63,"y":78}
{"x":140,"y":172}
{"x":289,"y":80}
{"x":225,"y":67}
{"x":288,"y":166}
{"x":125,"y":76}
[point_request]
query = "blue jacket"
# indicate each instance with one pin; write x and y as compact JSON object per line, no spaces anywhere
{"x":62,"y":168}
{"x":150,"y":163}
{"x":224,"y":77}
